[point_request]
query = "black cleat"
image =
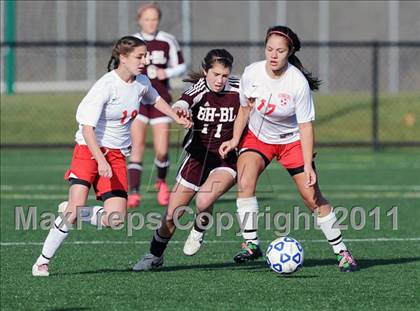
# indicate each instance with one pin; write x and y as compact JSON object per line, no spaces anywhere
{"x":346,"y":262}
{"x":249,"y":252}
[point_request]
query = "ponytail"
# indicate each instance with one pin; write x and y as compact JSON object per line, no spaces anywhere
{"x":313,"y":82}
{"x":194,"y":76}
{"x":123,"y":46}
{"x":113,"y":63}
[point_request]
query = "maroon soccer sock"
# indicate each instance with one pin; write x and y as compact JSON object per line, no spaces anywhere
{"x":162,"y":167}
{"x":158,"y":244}
{"x":134,"y":176}
{"x":200,"y":222}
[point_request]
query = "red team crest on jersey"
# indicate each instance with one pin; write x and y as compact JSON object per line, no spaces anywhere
{"x":284,"y":99}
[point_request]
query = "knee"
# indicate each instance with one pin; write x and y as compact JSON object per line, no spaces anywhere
{"x":114,"y":220}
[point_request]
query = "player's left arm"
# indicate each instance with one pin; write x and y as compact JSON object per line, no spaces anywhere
{"x":306,"y":131}
{"x":88,"y":114}
{"x":104,"y":168}
{"x":152,"y":97}
{"x":305,"y":114}
{"x":164,"y":107}
{"x":176,"y":63}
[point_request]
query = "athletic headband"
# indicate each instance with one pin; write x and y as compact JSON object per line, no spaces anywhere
{"x":281,"y":34}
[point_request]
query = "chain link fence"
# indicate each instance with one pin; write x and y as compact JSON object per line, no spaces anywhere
{"x":370,"y":94}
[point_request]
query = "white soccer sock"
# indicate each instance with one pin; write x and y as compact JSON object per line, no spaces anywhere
{"x":58,"y":233}
{"x":333,"y":235}
{"x":92,"y":215}
{"x":247,"y":209}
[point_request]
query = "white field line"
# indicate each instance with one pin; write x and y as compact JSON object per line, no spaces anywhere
{"x":267,"y":193}
{"x":343,"y":187}
{"x":375,"y":240}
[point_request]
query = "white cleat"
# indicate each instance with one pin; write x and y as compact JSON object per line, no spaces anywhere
{"x":40,"y":270}
{"x":193,"y":243}
{"x":148,"y":262}
{"x":62,"y":206}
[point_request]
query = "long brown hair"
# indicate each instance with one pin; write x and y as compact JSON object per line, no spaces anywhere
{"x":294,"y":46}
{"x":220,"y":56}
{"x":123,"y":47}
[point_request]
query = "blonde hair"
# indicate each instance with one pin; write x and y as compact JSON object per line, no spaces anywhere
{"x":151,"y":5}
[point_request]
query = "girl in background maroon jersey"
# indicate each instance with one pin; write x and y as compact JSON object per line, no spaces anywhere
{"x":213,"y":100}
{"x":164,"y":61}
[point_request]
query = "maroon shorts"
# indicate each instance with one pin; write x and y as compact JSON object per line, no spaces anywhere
{"x":194,"y":171}
{"x":84,"y":170}
{"x":150,"y":115}
{"x":289,"y":155}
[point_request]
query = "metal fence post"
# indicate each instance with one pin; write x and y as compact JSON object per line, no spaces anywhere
{"x":10,"y":49}
{"x":186,"y":8}
{"x":375,"y":96}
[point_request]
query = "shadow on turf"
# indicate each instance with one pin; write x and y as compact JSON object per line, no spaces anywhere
{"x":260,"y":266}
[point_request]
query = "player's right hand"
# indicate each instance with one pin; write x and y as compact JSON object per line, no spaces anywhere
{"x":227,"y":147}
{"x":181,"y":112}
{"x":185,"y":122}
{"x":104,"y":169}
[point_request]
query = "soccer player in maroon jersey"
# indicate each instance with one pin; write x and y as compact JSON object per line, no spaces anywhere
{"x":213,"y":100}
{"x":164,"y":61}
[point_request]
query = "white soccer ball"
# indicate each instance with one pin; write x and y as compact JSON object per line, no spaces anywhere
{"x":284,"y":255}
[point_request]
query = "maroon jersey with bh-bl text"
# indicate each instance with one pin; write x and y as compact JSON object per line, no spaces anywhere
{"x":213,"y":115}
{"x":163,"y":52}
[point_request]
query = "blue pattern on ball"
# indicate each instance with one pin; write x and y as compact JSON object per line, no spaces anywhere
{"x":284,"y":258}
{"x":287,"y":239}
{"x":277,"y":267}
{"x":279,"y":246}
{"x":297,"y":257}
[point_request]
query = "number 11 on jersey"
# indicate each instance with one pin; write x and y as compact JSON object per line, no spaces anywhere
{"x":218,"y":130}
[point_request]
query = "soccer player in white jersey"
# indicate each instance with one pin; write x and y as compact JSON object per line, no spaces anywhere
{"x":164,"y":61}
{"x":214,"y":102}
{"x":277,"y":105}
{"x":102,"y":141}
